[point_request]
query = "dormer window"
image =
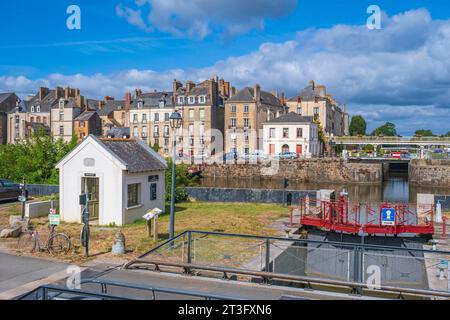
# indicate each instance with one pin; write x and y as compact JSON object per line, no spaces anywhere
{"x":202,"y":99}
{"x":32,"y":108}
{"x":38,"y":109}
{"x":162,"y":103}
{"x":191,"y":100}
{"x":61,"y":103}
{"x":181,"y":100}
{"x":140,"y":104}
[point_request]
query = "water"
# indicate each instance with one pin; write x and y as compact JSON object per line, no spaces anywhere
{"x":395,"y":187}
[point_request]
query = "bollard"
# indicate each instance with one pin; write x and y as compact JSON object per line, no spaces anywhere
{"x":433,"y":245}
{"x":119,"y":243}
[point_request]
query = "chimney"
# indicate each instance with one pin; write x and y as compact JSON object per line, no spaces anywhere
{"x":67,"y":93}
{"x":312,"y":84}
{"x":77,"y":92}
{"x":59,"y":92}
{"x":233,"y":91}
{"x":257,"y":93}
{"x":137,"y":93}
{"x":175,"y":86}
{"x":214,"y":92}
{"x":189,"y":86}
{"x":227,"y":89}
{"x":127,"y":101}
{"x":101,"y":104}
{"x":283,"y":99}
{"x":80,"y":101}
{"x":108,"y":98}
{"x":43,"y":91}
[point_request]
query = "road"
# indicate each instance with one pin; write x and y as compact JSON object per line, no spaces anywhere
{"x":22,"y":274}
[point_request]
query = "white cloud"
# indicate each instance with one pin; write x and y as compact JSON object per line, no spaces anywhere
{"x":198,"y":18}
{"x":400,"y":73}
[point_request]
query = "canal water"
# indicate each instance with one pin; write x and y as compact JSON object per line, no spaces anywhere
{"x":395,"y":187}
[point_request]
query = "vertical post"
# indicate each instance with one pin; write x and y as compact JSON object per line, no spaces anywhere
{"x":444,"y":227}
{"x":24,"y":199}
{"x":155,"y":229}
{"x":88,"y":218}
{"x":268,"y":255}
{"x":189,"y":256}
{"x":172,"y":198}
{"x":291,"y":216}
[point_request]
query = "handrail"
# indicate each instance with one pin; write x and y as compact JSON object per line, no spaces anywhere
{"x":59,"y":289}
{"x":304,"y":279}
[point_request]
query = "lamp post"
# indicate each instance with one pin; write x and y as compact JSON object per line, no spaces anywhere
{"x":175,"y":122}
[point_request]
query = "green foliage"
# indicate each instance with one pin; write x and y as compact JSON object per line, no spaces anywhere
{"x":358,"y":126}
{"x":34,"y":159}
{"x":447,"y":134}
{"x":182,"y":179}
{"x":155,"y":147}
{"x":423,"y":133}
{"x":388,"y":130}
{"x":320,"y":130}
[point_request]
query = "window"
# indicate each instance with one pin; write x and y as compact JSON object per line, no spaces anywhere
{"x":246,"y":109}
{"x":233,"y":108}
{"x":135,"y":118}
{"x":140,"y":104}
{"x":153,"y":178}
{"x":61,"y":104}
{"x":134,"y":191}
{"x":246,"y":150}
{"x":166,"y":143}
{"x":156,"y":130}
{"x":272,"y":133}
{"x":144,"y":118}
{"x":191,"y":100}
{"x":31,"y":119}
{"x":202,"y":99}
{"x":202,"y":130}
{"x":38,"y":109}
{"x":166,"y":116}
{"x":61,"y":130}
{"x":299,"y":132}
{"x":61,"y":116}
{"x":285,"y":132}
{"x":135,"y":132}
{"x":299,"y":110}
{"x":144,"y":132}
{"x":156,"y":117}
{"x":233,"y":122}
{"x":81,"y":124}
{"x":32,"y":108}
{"x":246,"y":122}
{"x":181,"y":100}
{"x":166,"y":131}
{"x":153,"y":191}
{"x":191,"y":114}
{"x":316,"y":111}
{"x":202,"y":114}
{"x":191,"y":130}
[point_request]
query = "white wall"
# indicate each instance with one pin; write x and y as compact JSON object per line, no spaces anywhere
{"x":309,"y":141}
{"x":132,"y":214}
{"x":107,"y":169}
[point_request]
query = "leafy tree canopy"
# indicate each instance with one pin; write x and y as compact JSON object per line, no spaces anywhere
{"x":388,"y":129}
{"x":358,"y":126}
{"x":423,"y":133}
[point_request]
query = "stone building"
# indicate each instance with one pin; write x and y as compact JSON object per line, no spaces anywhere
{"x":64,"y":112}
{"x":203,"y":109}
{"x":245,"y":113}
{"x":32,"y":114}
{"x":113,"y":113}
{"x":314,"y":101}
{"x":8,"y":102}
{"x":87,"y":123}
{"x":291,"y":133}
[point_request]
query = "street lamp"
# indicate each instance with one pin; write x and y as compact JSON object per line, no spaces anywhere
{"x":175,"y":122}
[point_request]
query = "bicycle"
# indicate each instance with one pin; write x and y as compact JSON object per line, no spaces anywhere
{"x":56,"y":243}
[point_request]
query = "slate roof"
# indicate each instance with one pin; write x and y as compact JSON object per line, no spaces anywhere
{"x":109,"y":107}
{"x":135,"y":156}
{"x":119,"y":132}
{"x":152,"y":99}
{"x":291,"y":117}
{"x":45,"y":104}
{"x":4,"y":96}
{"x":247,"y":95}
{"x":6,"y":107}
{"x":85,"y":116}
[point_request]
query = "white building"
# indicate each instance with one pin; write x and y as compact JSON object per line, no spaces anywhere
{"x":124,"y":178}
{"x":291,"y":133}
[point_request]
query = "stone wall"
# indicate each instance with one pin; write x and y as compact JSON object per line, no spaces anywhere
{"x":248,"y":195}
{"x":434,"y":173}
{"x":307,"y":170}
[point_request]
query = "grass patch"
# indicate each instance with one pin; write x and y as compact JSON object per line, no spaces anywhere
{"x":243,"y":218}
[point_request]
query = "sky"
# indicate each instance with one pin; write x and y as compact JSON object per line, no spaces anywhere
{"x":399,"y":73}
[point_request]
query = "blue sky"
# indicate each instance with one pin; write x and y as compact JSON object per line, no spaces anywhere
{"x":398,"y":73}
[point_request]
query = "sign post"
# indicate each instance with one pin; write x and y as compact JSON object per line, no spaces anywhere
{"x":152,"y":214}
{"x":53,"y":218}
{"x":388,"y":216}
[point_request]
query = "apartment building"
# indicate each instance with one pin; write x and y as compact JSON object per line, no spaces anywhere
{"x":245,"y":113}
{"x":8,"y":102}
{"x":149,"y":119}
{"x":113,"y":113}
{"x":291,"y":133}
{"x":32,"y":114}
{"x":64,"y":112}
{"x":203,"y":109}
{"x":314,"y":101}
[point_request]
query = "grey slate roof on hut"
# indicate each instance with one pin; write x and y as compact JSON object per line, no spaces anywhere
{"x":133,"y":155}
{"x":291,"y":117}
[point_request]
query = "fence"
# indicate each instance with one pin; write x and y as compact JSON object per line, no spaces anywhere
{"x":39,"y":190}
{"x":402,"y":267}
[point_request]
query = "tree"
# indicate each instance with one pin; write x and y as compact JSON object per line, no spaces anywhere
{"x":358,"y":126}
{"x":388,"y":129}
{"x":423,"y":133}
{"x":182,"y":179}
{"x":155,"y":147}
{"x":447,"y":134}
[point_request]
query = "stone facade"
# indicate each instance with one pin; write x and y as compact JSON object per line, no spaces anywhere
{"x":434,"y":173}
{"x":308,"y":170}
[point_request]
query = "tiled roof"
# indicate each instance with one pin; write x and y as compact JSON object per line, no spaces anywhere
{"x":291,"y":117}
{"x":133,"y":155}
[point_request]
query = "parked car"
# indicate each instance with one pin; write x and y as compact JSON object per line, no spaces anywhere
{"x":255,"y":156}
{"x":9,"y":190}
{"x":288,"y":155}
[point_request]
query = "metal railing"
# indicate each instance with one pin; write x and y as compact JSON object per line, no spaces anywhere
{"x":404,"y":268}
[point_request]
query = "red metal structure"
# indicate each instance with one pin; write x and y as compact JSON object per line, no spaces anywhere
{"x":342,"y":216}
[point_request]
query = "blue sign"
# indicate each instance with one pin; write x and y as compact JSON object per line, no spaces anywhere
{"x":388,"y":216}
